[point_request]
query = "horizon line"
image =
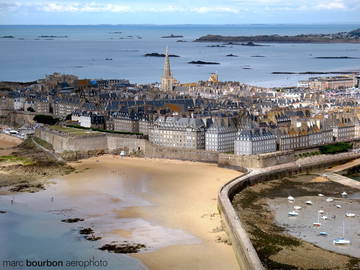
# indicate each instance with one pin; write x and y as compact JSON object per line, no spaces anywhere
{"x":184,"y":24}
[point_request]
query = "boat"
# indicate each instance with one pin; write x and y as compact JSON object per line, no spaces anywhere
{"x":350,"y":214}
{"x":296,"y":207}
{"x":329,"y":199}
{"x":317,"y":224}
{"x":338,"y":206}
{"x":309,"y":202}
{"x":323,"y":233}
{"x":342,"y":240}
{"x":291,"y":198}
{"x":293,"y":214}
{"x":344,"y":194}
{"x":321,"y":195}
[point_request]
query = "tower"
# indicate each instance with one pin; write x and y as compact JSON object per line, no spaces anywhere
{"x":167,"y":80}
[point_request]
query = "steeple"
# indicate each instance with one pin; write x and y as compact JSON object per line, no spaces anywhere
{"x":167,"y":70}
{"x":167,"y":81}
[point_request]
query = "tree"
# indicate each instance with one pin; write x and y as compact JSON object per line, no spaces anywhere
{"x":45,"y":119}
{"x":30,"y":109}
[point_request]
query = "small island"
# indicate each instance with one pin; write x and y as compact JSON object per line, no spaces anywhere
{"x":251,"y":44}
{"x":160,"y":55}
{"x":216,"y":46}
{"x":7,"y":37}
{"x":173,"y":36}
{"x":341,"y":37}
{"x":203,"y":63}
{"x":336,"y":57}
{"x":257,"y":56}
{"x":231,"y":55}
{"x":51,"y":36}
{"x":181,"y":40}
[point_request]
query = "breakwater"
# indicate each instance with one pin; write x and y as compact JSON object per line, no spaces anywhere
{"x":244,"y":250}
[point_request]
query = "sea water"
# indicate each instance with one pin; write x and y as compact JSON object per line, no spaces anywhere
{"x":84,"y":51}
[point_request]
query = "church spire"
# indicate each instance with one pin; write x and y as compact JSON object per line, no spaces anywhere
{"x":167,"y":81}
{"x":167,"y":70}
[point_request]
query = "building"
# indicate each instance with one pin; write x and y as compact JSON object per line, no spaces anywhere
{"x":254,"y":141}
{"x":167,"y":80}
{"x":220,"y":135}
{"x":335,"y":82}
{"x":344,"y":132}
{"x":179,"y":132}
{"x":126,"y":122}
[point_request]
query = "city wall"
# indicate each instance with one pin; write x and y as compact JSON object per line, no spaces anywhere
{"x":255,"y":161}
{"x":244,"y":250}
{"x":72,"y":147}
{"x":16,"y":118}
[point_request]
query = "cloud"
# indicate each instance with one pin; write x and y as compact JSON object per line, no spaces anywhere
{"x":77,"y":7}
{"x":331,"y":5}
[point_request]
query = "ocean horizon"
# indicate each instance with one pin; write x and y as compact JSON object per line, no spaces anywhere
{"x":117,"y":52}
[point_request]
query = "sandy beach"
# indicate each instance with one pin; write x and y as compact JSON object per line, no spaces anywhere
{"x":176,"y":208}
{"x":7,"y":143}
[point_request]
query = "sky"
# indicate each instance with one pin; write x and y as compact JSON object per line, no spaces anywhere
{"x":179,"y":11}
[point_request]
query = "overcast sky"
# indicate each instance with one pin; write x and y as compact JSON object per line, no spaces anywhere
{"x":178,"y":12}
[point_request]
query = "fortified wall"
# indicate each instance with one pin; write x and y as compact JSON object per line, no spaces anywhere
{"x":72,"y":147}
{"x":75,"y":146}
{"x":244,"y":250}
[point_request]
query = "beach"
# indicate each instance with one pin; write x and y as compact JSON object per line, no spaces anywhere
{"x":169,"y":206}
{"x":181,"y":195}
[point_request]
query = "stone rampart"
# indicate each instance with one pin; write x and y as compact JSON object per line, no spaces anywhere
{"x":244,"y":250}
{"x":255,"y":161}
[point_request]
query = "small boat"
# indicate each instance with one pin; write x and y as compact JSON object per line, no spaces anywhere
{"x":321,"y":195}
{"x":291,"y":198}
{"x":344,"y":194}
{"x":309,"y":202}
{"x":317,"y":224}
{"x":293,"y":214}
{"x":350,"y":215}
{"x":338,"y":206}
{"x":341,"y":241}
{"x":321,"y":211}
{"x":323,"y":233}
{"x":296,"y":207}
{"x":329,"y":199}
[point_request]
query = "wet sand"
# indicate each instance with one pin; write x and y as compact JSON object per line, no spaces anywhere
{"x":302,"y":225}
{"x":168,"y":205}
{"x":7,"y":143}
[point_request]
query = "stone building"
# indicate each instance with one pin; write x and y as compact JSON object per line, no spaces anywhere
{"x":220,"y":135}
{"x":344,"y":132}
{"x":179,"y":132}
{"x":126,"y":122}
{"x":255,"y":141}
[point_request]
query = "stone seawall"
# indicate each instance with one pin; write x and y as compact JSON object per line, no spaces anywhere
{"x":256,"y":161}
{"x":72,"y":147}
{"x":156,"y":151}
{"x":244,"y":250}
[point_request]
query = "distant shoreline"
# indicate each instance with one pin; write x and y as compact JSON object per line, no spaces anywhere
{"x":341,"y":37}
